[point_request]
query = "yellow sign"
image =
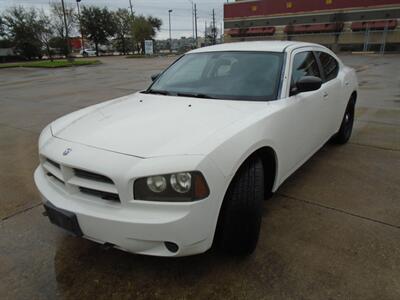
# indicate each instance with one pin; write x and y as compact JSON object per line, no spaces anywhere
{"x":289,"y":4}
{"x":254,"y":8}
{"x":328,"y":2}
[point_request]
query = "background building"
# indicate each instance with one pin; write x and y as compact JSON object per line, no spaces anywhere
{"x":338,"y":24}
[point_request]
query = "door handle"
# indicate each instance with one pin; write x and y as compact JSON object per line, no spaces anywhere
{"x":346,"y":83}
{"x":326,"y":95}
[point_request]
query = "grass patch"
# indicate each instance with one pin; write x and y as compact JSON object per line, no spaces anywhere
{"x":139,"y":56}
{"x":63,"y":63}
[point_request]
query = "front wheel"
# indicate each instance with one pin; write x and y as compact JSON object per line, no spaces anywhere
{"x":240,"y":219}
{"x":346,"y":128}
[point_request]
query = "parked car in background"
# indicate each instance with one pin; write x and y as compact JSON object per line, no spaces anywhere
{"x":87,"y":52}
{"x":187,"y":163}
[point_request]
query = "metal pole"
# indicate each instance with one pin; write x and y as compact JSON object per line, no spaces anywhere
{"x":195,"y":23}
{"x":80,"y":25}
{"x":131,"y":7}
{"x":384,"y":36}
{"x":214,"y":30}
{"x":192,"y":19}
{"x":66,"y":33}
{"x":205,"y":33}
{"x":366,"y":38}
{"x":221,"y":34}
{"x":191,"y":1}
{"x":170,"y":39}
{"x":132,"y":38}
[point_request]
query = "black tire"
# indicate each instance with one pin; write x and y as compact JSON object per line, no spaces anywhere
{"x":346,"y":128}
{"x":239,"y":222}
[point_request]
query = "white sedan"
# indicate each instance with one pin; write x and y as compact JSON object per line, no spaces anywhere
{"x":187,"y":163}
{"x":88,"y":52}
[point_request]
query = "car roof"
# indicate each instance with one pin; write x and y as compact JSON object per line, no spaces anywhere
{"x":271,"y":46}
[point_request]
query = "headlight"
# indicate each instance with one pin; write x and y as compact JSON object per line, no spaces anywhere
{"x":181,"y":182}
{"x":157,"y":184}
{"x":175,"y":187}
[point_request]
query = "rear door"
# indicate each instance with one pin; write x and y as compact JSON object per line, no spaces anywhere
{"x":332,"y":91}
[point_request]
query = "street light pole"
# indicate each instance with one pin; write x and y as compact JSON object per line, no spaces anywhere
{"x":131,"y":7}
{"x":80,"y":25}
{"x":191,"y":1}
{"x":66,"y":32}
{"x":195,"y":24}
{"x":170,"y":39}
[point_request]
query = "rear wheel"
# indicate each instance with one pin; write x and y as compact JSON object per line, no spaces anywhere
{"x":346,"y":128}
{"x":240,"y":219}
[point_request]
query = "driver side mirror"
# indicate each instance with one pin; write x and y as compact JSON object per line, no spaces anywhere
{"x":306,"y":84}
{"x":155,"y":76}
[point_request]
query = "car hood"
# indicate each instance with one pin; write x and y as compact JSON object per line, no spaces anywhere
{"x":147,"y":125}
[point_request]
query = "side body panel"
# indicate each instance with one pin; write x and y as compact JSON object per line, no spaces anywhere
{"x":294,"y":127}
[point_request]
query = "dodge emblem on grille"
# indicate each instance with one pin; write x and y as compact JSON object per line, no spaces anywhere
{"x":67,"y":151}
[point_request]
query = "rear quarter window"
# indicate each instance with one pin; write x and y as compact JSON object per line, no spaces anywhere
{"x":330,"y":65}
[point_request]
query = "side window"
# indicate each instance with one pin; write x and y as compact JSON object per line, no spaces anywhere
{"x":304,"y":64}
{"x":329,"y":65}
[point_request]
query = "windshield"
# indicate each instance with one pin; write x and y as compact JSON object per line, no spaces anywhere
{"x":223,"y":75}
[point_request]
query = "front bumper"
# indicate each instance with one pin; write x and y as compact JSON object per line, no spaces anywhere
{"x":136,"y":226}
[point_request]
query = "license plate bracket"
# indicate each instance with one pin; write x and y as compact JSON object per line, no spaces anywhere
{"x":63,"y":219}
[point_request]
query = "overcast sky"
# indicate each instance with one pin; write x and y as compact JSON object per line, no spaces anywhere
{"x":181,"y":17}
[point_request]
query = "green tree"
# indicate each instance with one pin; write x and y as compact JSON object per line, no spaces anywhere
{"x":57,"y":16}
{"x":58,"y":44}
{"x":123,"y":20}
{"x":23,"y":28}
{"x":2,"y":26}
{"x":145,"y":29}
{"x":98,"y":25}
{"x":155,"y":23}
{"x":46,"y":32}
{"x":57,"y":20}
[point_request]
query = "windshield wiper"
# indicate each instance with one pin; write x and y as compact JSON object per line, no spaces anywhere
{"x":158,"y":92}
{"x":195,"y":95}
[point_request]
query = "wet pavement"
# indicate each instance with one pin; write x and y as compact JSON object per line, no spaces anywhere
{"x":331,"y":231}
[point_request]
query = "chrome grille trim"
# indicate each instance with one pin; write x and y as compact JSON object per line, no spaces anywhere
{"x":102,"y":195}
{"x":57,"y":165}
{"x":73,"y":180}
{"x":92,"y":176}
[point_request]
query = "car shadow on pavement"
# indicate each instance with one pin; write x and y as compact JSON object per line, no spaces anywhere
{"x":85,"y":269}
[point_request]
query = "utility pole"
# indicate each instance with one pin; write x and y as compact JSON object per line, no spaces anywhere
{"x":132,"y":39}
{"x":66,"y":33}
{"x":191,"y":1}
{"x":80,"y":25}
{"x":195,"y":23}
{"x":205,"y":33}
{"x":192,"y":19}
{"x":221,"y":33}
{"x":170,"y":39}
{"x":131,"y":7}
{"x":214,"y":30}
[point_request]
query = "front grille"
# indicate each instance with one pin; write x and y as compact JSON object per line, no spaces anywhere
{"x":92,"y":176}
{"x":103,"y":195}
{"x":57,"y":165}
{"x":86,"y":182}
{"x":55,"y":178}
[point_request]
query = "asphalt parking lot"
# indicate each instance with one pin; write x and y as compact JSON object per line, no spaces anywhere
{"x":331,"y":231}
